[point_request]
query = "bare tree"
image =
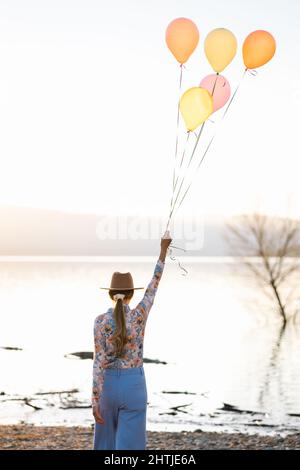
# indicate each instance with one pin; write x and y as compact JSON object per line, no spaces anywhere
{"x":270,"y":249}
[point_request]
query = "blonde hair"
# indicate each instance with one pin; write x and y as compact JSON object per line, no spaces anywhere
{"x":119,"y":337}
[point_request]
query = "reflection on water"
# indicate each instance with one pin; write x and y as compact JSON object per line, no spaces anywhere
{"x":222,"y":342}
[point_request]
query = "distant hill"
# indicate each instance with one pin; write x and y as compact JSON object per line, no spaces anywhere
{"x":30,"y":231}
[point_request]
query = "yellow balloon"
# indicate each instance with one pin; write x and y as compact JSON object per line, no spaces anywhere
{"x":196,"y":105}
{"x":220,"y":48}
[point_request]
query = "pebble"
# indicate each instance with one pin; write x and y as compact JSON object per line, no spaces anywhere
{"x":27,"y":437}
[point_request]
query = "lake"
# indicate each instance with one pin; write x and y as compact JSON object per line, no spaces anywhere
{"x":213,"y":327}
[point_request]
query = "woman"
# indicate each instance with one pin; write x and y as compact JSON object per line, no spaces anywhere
{"x":119,"y":395}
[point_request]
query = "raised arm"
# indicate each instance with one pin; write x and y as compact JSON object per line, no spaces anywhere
{"x":146,"y":303}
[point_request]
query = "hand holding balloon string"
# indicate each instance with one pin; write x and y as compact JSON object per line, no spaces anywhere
{"x":182,"y":37}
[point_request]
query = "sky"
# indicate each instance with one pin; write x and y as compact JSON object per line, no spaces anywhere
{"x":88,"y":101}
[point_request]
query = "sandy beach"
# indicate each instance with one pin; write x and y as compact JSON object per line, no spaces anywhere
{"x":27,"y":437}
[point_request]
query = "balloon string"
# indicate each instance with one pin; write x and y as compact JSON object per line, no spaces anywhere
{"x":180,"y":166}
{"x":183,"y":155}
{"x":177,"y":123}
{"x":195,"y":147}
{"x":212,"y":139}
{"x":177,"y":133}
{"x":199,"y":164}
{"x":184,"y":176}
{"x":234,"y":94}
{"x":184,"y":272}
{"x":252,"y":72}
{"x":177,"y":248}
{"x":173,"y":258}
{"x":213,"y":90}
{"x":189,"y":163}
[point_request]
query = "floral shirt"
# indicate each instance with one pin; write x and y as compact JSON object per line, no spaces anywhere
{"x":135,"y":323}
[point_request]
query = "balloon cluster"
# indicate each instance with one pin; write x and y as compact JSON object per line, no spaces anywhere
{"x":220,"y":46}
{"x":197,"y":103}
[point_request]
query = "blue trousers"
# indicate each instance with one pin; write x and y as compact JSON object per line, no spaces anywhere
{"x":123,"y":405}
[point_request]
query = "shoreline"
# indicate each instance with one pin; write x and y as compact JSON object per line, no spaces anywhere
{"x":30,"y":437}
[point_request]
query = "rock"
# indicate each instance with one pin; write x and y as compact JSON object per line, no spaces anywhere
{"x":228,"y":407}
{"x":80,"y":355}
{"x":154,"y":361}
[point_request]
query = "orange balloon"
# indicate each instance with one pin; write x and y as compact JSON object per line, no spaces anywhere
{"x":258,"y":48}
{"x":182,"y":37}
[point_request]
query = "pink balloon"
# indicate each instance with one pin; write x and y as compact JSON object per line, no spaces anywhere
{"x":218,"y":86}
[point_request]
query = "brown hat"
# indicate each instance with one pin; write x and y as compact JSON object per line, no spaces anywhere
{"x":121,"y":281}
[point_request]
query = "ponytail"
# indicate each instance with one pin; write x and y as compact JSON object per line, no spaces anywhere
{"x":119,"y":337}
